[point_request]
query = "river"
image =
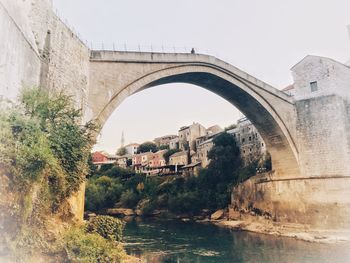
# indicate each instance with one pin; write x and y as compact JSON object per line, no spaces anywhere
{"x":159,"y":241}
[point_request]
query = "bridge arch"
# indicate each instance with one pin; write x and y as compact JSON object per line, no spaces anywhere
{"x":265,"y":107}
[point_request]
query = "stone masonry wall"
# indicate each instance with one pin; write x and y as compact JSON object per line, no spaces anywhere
{"x":323,"y":136}
{"x":19,"y":58}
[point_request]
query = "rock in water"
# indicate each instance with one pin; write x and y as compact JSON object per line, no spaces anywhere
{"x":217,"y":215}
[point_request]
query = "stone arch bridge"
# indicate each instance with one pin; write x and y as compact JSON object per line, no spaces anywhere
{"x":116,"y":75}
{"x":307,"y":135}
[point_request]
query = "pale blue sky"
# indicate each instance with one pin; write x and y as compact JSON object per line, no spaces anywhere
{"x":265,"y":38}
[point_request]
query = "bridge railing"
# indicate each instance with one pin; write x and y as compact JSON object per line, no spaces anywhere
{"x":147,"y":48}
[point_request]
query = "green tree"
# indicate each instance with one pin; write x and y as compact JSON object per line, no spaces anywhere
{"x":147,"y":147}
{"x":121,"y":151}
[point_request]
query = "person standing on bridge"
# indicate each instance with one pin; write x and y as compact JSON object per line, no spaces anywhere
{"x":193,"y":51}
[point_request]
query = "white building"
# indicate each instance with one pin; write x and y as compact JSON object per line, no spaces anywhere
{"x":132,"y":148}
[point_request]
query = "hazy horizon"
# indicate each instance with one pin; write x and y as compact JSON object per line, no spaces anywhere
{"x":263,"y":38}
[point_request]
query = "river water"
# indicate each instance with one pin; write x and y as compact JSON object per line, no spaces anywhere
{"x":159,"y":241}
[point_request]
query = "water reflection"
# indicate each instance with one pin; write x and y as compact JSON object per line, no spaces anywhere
{"x":160,"y":241}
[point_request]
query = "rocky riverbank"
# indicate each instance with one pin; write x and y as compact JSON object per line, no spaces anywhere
{"x":243,"y":222}
{"x":296,"y":231}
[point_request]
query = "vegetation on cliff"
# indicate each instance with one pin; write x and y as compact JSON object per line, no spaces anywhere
{"x":44,"y":153}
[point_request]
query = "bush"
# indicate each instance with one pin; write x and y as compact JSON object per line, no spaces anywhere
{"x":91,"y":247}
{"x":129,"y":199}
{"x":102,"y":192}
{"x":106,"y":226}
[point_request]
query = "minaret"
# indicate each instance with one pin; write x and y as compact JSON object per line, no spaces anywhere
{"x":348,"y":62}
{"x":122,"y":142}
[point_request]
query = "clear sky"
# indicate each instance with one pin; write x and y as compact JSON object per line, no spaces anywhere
{"x":265,"y":38}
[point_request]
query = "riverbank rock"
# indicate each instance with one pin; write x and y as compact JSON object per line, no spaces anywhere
{"x":120,"y":212}
{"x":217,"y":215}
{"x":233,"y":214}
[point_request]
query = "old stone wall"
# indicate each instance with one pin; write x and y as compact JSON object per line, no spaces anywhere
{"x":317,"y":203}
{"x":37,"y":48}
{"x":323,"y":136}
{"x":19,"y":59}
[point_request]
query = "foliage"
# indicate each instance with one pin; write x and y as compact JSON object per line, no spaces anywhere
{"x":91,"y":247}
{"x":230,"y":127}
{"x":106,"y":226}
{"x":102,"y":192}
{"x":147,"y":147}
{"x":164,"y":147}
{"x":129,"y":199}
{"x":121,"y":151}
{"x":42,"y":139}
{"x":169,"y":153}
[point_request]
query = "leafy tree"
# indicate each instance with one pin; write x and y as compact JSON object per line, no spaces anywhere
{"x":147,"y":147}
{"x":164,"y":147}
{"x":230,"y":127}
{"x":42,"y":139}
{"x":121,"y":151}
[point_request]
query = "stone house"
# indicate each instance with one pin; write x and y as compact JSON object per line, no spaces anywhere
{"x":322,"y":98}
{"x":248,"y":139}
{"x":189,"y":134}
{"x":174,"y":143}
{"x":179,"y":158}
{"x":203,"y":149}
{"x":215,"y":129}
{"x":122,"y":161}
{"x":165,"y":141}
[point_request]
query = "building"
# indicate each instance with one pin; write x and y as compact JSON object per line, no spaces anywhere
{"x":214,"y":130}
{"x":203,"y":149}
{"x":189,"y":134}
{"x":157,"y":160}
{"x":174,"y":143}
{"x":140,"y":161}
{"x":101,"y":157}
{"x":248,"y":139}
{"x":290,"y":90}
{"x":131,"y":149}
{"x":165,"y":140}
{"x":179,"y":158}
{"x":123,"y":161}
{"x":316,"y":76}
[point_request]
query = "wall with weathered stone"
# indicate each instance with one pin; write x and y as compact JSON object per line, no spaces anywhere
{"x":37,"y":48}
{"x":317,"y":203}
{"x":19,"y":58}
{"x":323,"y":136}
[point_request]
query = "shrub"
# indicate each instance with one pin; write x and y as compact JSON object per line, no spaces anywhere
{"x":129,"y":199}
{"x":106,"y":226}
{"x":91,"y":247}
{"x":102,"y":192}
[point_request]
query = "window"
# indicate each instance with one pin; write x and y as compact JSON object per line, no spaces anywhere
{"x":313,"y":86}
{"x":243,"y":140}
{"x":250,"y":138}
